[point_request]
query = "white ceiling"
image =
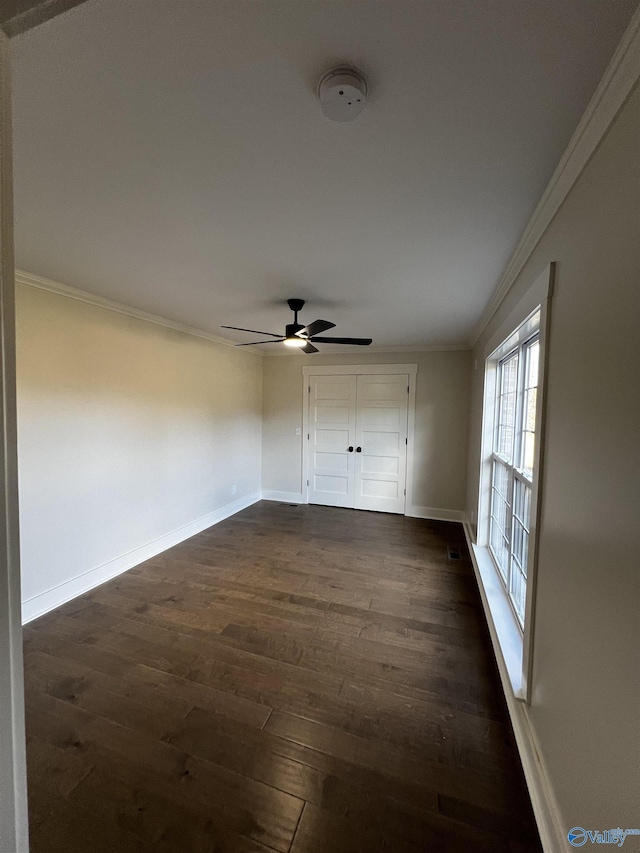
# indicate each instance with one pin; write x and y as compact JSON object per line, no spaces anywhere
{"x":172,"y":155}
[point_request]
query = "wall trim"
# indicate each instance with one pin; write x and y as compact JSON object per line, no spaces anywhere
{"x":545,"y":807}
{"x":613,"y":90}
{"x":18,"y":18}
{"x":434,"y":514}
{"x":31,"y":280}
{"x":369,"y":369}
{"x":426,"y":512}
{"x":283,"y":497}
{"x":344,"y":350}
{"x":40,"y":604}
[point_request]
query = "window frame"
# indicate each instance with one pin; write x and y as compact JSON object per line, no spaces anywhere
{"x":517,"y":473}
{"x":531,"y":315}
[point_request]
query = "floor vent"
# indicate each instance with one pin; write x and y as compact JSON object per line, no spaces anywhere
{"x":283,"y":504}
{"x":453,"y":552}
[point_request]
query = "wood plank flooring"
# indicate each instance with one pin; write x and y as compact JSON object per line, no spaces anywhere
{"x":301,"y":679}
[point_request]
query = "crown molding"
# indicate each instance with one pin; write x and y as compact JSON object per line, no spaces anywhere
{"x":41,"y":283}
{"x":18,"y":16}
{"x":613,"y":90}
{"x":31,"y":280}
{"x":347,"y":350}
{"x":425,"y":348}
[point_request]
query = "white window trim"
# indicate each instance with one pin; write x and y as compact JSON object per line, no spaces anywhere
{"x":515,"y":645}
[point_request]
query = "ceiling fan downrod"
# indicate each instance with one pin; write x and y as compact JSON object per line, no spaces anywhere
{"x":295,"y":305}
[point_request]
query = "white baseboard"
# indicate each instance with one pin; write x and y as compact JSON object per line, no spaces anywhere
{"x":435,"y":514}
{"x":412,"y":511}
{"x":52,"y":598}
{"x":545,"y":808}
{"x":283,"y":497}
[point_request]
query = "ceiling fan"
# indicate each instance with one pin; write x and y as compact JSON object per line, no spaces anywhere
{"x":302,"y":337}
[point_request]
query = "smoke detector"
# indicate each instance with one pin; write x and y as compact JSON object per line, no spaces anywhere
{"x":342,"y":93}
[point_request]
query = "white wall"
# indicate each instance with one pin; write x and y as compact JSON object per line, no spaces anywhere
{"x":130,"y":437}
{"x":585,"y":708}
{"x":442,"y":406}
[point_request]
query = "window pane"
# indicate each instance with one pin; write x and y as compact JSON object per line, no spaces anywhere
{"x":522,"y":502}
{"x":500,"y":519}
{"x":532,"y":366}
{"x":506,"y":408}
{"x":520,"y":546}
{"x":517,"y":593}
{"x":530,"y":409}
{"x":528,"y":452}
{"x":501,"y":480}
{"x":530,"y":394}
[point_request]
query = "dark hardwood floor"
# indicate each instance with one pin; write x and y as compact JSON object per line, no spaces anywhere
{"x":301,"y":679}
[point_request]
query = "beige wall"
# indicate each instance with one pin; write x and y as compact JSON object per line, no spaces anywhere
{"x":127,"y":431}
{"x":442,"y":403}
{"x":585,"y":711}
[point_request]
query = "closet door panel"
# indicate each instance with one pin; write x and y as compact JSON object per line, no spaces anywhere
{"x":332,"y":420}
{"x":381,"y":434}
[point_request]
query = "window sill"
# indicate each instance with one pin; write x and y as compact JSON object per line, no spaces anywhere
{"x":503,"y":626}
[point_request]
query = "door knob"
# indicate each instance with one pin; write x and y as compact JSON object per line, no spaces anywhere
{"x":351,"y":448}
{"x":358,"y":450}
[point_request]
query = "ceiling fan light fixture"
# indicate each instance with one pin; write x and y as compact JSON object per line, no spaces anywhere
{"x":295,"y":341}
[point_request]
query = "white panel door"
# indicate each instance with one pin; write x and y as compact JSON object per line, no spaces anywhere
{"x":381,"y":442}
{"x":332,"y":428}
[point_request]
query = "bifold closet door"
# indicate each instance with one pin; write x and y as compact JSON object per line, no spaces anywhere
{"x":381,"y":442}
{"x":357,"y":441}
{"x":332,"y":429}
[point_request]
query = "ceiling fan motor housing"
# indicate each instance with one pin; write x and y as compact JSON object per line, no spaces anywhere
{"x":343,"y":94}
{"x":292,"y":328}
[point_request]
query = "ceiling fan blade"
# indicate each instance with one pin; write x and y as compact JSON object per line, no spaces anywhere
{"x":315,"y":328}
{"x":253,"y":331}
{"x":253,"y":343}
{"x":358,"y":342}
{"x":309,"y":348}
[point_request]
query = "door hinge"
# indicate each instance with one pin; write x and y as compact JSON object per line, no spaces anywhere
{"x":308,"y":436}
{"x":407,"y":389}
{"x":307,"y":482}
{"x":406,"y":441}
{"x":309,"y":389}
{"x":405,"y":491}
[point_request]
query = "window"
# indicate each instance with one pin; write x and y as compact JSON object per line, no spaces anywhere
{"x":504,"y":551}
{"x":512,"y":463}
